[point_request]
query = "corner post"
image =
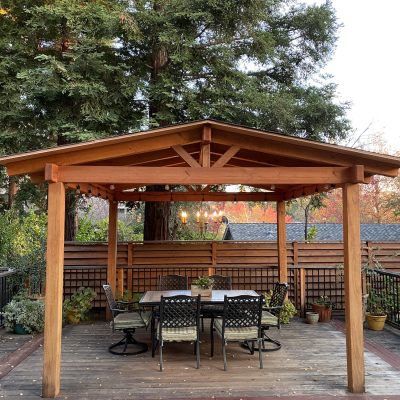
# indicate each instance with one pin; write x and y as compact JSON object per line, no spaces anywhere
{"x":282,"y":251}
{"x":112,"y":245}
{"x":353,"y":300}
{"x":54,"y":290}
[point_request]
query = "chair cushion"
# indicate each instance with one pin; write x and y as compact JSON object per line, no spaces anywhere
{"x":241,"y":333}
{"x":132,"y":320}
{"x":184,"y":334}
{"x":268,"y":319}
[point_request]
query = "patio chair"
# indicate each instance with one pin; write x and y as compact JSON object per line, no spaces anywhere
{"x":271,"y":315}
{"x":212,"y":311}
{"x":241,"y":321}
{"x":127,"y":321}
{"x":172,"y":282}
{"x":179,"y":322}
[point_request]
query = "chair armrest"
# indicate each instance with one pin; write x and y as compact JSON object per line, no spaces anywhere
{"x":128,"y":304}
{"x":267,"y":308}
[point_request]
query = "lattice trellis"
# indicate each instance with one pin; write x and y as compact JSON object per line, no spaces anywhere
{"x":173,"y":282}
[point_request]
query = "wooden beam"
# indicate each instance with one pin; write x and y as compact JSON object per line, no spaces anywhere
{"x":186,"y":156}
{"x":205,"y":152}
{"x":353,"y":292}
{"x":54,"y":290}
{"x":51,"y":173}
{"x":308,"y":190}
{"x":94,"y":190}
{"x":200,"y":176}
{"x":197,"y":196}
{"x":226,"y":156}
{"x":102,"y":150}
{"x":282,"y":252}
{"x":112,"y":246}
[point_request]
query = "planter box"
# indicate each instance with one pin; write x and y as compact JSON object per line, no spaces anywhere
{"x":312,"y":317}
{"x":325,"y":313}
{"x":199,"y":291}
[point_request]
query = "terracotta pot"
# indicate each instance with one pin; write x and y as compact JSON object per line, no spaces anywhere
{"x":312,"y":317}
{"x":325,"y":313}
{"x":199,"y":291}
{"x":376,"y":322}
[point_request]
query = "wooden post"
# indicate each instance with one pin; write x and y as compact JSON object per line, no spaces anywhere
{"x":211,"y":270}
{"x":282,"y":253}
{"x":54,"y":290}
{"x":112,"y":248}
{"x":352,"y":276}
{"x":130,"y":267}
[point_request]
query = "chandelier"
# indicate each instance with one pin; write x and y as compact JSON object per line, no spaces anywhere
{"x":204,"y":221}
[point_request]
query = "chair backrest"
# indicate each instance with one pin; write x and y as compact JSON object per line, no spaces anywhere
{"x":179,"y":311}
{"x":278,"y":297}
{"x":172,"y":282}
{"x":222,"y":282}
{"x":112,"y":304}
{"x":242,"y":311}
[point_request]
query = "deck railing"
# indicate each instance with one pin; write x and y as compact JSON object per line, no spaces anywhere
{"x":9,"y":285}
{"x":387,"y":285}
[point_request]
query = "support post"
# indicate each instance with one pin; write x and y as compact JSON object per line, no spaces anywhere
{"x":112,"y":247}
{"x":282,"y":251}
{"x":353,"y":300}
{"x":54,"y":290}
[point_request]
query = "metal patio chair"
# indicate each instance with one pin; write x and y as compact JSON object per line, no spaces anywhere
{"x":241,"y":321}
{"x":212,"y":311}
{"x":271,"y":315}
{"x":179,"y":322}
{"x":127,"y":321}
{"x":172,"y":282}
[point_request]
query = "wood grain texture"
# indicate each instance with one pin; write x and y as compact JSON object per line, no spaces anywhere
{"x":353,"y":301}
{"x":54,"y":290}
{"x":282,"y":253}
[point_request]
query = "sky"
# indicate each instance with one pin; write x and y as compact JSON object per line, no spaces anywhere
{"x":366,"y":66}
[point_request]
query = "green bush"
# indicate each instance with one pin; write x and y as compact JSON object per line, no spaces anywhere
{"x":23,"y":246}
{"x":26,"y":312}
{"x":288,"y":311}
{"x":76,"y":308}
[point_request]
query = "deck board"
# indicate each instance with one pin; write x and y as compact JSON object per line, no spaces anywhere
{"x":312,"y":361}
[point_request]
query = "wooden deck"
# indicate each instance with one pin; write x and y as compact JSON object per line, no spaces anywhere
{"x":312,"y":362}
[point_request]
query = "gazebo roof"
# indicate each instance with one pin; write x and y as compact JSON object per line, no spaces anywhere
{"x":210,"y":144}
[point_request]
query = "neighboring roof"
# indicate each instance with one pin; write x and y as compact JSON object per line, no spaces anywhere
{"x":295,"y":232}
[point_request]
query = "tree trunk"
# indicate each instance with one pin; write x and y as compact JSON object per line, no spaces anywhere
{"x":156,"y":218}
{"x":156,"y":214}
{"x":71,"y":212}
{"x":12,"y":190}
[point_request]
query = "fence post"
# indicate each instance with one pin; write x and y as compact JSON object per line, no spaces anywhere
{"x":302,"y":287}
{"x":211,"y":270}
{"x":130,"y":267}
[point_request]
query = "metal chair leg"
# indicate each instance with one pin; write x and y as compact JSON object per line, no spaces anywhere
{"x":224,"y":353}
{"x":198,"y":353}
{"x":260,"y":353}
{"x":212,"y":336}
{"x":161,"y":355}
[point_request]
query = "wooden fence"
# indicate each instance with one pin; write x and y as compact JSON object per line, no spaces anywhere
{"x":315,"y":268}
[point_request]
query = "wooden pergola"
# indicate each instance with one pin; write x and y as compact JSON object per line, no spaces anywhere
{"x":198,"y":155}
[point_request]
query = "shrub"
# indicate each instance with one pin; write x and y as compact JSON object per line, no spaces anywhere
{"x":26,"y":312}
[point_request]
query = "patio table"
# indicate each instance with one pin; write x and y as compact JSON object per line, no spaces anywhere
{"x":152,"y":298}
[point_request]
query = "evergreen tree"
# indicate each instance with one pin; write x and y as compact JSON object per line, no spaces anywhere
{"x":75,"y":70}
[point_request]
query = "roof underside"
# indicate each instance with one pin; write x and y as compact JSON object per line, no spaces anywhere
{"x":202,"y":144}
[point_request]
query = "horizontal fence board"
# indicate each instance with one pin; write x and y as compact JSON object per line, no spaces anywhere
{"x":252,"y":265}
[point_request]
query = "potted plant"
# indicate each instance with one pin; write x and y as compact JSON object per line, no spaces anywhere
{"x":203,"y":286}
{"x":77,"y":307}
{"x":376,"y":310}
{"x":323,"y":306}
{"x":312,"y":317}
{"x":23,"y":315}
